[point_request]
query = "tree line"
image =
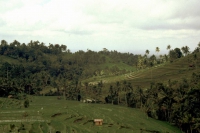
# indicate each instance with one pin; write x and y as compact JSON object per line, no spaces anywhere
{"x":29,"y":68}
{"x":145,"y":60}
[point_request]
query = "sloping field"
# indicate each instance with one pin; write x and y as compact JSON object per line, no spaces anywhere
{"x":160,"y":73}
{"x":47,"y":114}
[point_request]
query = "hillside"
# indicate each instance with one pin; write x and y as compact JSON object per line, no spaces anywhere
{"x":32,"y":67}
{"x":75,"y":117}
{"x":176,"y":70}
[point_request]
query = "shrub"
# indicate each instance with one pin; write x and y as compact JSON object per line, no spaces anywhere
{"x":12,"y":127}
{"x":26,"y":103}
{"x":25,"y":114}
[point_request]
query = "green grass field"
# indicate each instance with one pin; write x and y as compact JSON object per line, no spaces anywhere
{"x":48,"y":114}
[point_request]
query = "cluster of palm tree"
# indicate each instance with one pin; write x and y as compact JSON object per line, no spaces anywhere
{"x":93,"y":91}
{"x":146,"y":61}
{"x":120,"y":93}
{"x":31,"y":51}
{"x":185,"y":50}
{"x":176,"y":102}
{"x":17,"y":79}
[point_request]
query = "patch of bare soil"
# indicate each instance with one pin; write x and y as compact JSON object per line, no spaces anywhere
{"x":150,"y":131}
{"x":110,"y":125}
{"x":57,"y":114}
{"x":88,"y":121}
{"x":125,"y":127}
{"x":78,"y":120}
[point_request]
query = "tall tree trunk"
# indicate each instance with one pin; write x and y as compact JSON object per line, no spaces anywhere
{"x":64,"y":94}
{"x":118,"y":99}
{"x":29,"y":90}
{"x":140,"y":101}
{"x":126,"y":100}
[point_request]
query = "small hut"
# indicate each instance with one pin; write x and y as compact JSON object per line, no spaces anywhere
{"x":98,"y":122}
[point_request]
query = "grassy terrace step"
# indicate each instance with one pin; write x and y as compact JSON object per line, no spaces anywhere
{"x":73,"y":116}
{"x":159,"y":74}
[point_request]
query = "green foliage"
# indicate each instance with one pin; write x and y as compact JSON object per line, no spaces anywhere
{"x":26,"y":103}
{"x":175,"y":54}
{"x":181,"y":105}
{"x":175,"y":101}
{"x":29,"y":68}
{"x":22,"y":127}
{"x":12,"y":127}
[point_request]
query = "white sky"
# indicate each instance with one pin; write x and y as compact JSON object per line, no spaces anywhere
{"x":123,"y":25}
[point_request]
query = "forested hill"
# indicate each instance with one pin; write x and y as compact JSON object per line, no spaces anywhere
{"x":33,"y":66}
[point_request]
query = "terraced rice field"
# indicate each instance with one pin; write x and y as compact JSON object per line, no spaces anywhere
{"x":47,"y":114}
{"x":160,"y":73}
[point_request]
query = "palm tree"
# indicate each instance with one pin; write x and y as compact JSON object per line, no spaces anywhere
{"x":147,"y":52}
{"x":3,"y":43}
{"x":125,"y":91}
{"x":157,"y":50}
{"x":197,"y":50}
{"x":185,"y":50}
{"x":151,"y":102}
{"x":161,"y":58}
{"x":199,"y":44}
{"x":16,"y":43}
{"x":188,"y":119}
{"x":195,"y":59}
{"x":111,"y":91}
{"x":118,"y":91}
{"x":141,"y":95}
{"x":167,"y":99}
{"x":30,"y":44}
{"x":99,"y":89}
{"x":28,"y":81}
{"x":51,"y":46}
{"x":168,"y":47}
{"x":63,"y":47}
{"x":153,"y":60}
{"x":128,"y":89}
{"x":140,"y":63}
{"x":166,"y":58}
